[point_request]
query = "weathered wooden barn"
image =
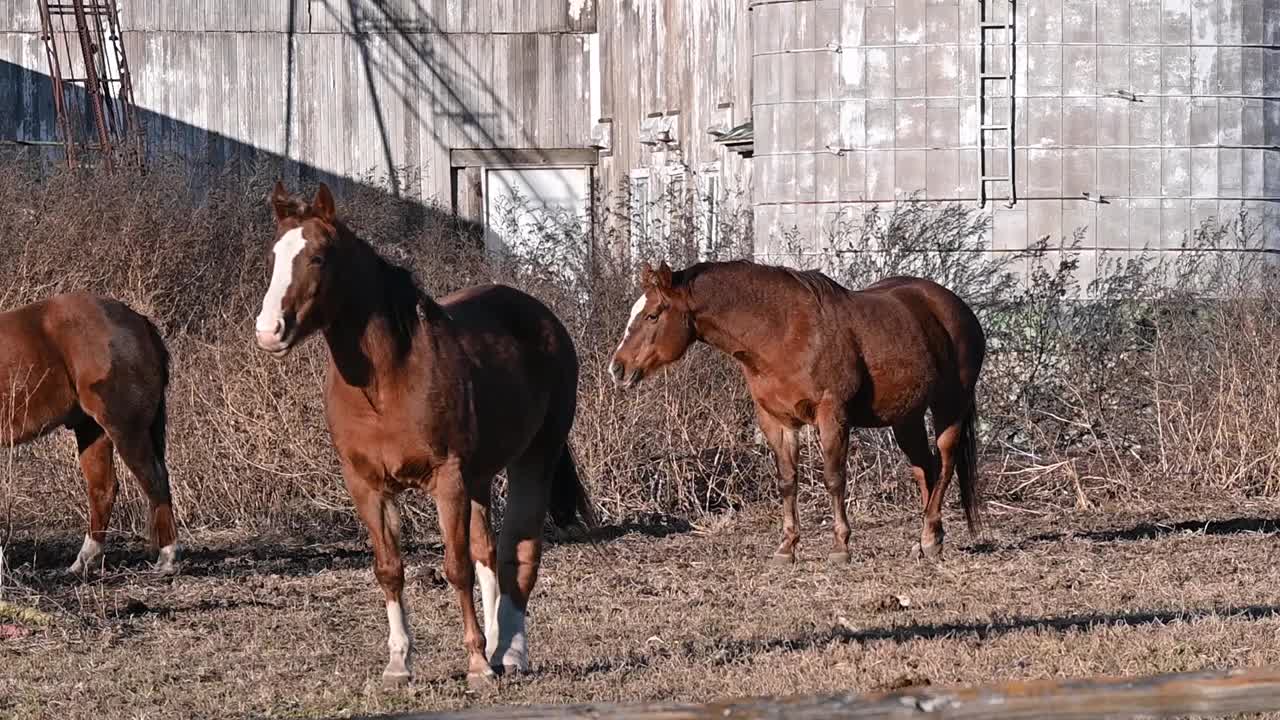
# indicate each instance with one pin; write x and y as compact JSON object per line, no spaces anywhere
{"x":1133,"y":119}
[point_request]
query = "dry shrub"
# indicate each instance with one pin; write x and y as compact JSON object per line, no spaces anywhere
{"x":1157,"y":378}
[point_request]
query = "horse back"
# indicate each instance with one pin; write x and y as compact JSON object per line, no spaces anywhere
{"x":947,"y":326}
{"x":522,"y":367}
{"x":55,"y":350}
{"x":503,"y":327}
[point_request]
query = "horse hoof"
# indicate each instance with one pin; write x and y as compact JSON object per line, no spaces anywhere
{"x":167,"y":560}
{"x":784,"y":559}
{"x":930,"y":552}
{"x":393,"y":680}
{"x":513,"y":672}
{"x":838,"y":558}
{"x":482,"y":680}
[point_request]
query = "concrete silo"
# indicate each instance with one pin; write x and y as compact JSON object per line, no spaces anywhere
{"x":1134,"y":119}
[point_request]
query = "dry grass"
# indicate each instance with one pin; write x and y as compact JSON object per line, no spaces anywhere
{"x":292,"y":627}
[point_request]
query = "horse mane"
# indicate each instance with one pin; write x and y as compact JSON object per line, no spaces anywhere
{"x":407,"y":304}
{"x":818,"y":285}
{"x":816,"y":282}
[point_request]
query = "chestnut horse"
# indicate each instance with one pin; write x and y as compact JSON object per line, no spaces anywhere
{"x":815,"y":353}
{"x":439,"y":397}
{"x":96,"y":367}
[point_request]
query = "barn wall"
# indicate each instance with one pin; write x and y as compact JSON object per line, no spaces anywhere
{"x":347,"y":88}
{"x":854,"y":102}
{"x":690,"y":61}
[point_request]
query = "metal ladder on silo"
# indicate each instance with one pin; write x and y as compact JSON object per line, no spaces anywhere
{"x":984,"y":75}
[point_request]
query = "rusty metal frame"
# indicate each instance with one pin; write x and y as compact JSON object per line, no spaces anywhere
{"x":55,"y":74}
{"x":97,"y":27}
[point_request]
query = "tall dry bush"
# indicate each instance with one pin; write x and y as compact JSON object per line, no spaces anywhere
{"x":1157,"y":375}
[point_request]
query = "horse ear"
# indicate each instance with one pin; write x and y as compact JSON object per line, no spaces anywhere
{"x":322,"y":205}
{"x":648,"y":278}
{"x":281,"y":203}
{"x":659,"y":279}
{"x":664,"y":276}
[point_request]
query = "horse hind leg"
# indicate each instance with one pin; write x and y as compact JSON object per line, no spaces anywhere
{"x":913,"y":440}
{"x":520,"y":553}
{"x":96,"y":463}
{"x":951,"y":435}
{"x":141,"y":455}
{"x":138,"y":434}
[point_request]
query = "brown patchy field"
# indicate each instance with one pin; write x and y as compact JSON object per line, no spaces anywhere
{"x":292,"y":627}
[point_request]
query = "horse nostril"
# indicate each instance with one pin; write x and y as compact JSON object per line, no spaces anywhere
{"x":279,"y":328}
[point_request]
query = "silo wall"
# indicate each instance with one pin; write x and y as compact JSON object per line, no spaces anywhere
{"x":1163,"y":113}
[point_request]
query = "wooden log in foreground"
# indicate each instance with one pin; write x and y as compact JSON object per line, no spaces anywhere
{"x":1201,"y":693}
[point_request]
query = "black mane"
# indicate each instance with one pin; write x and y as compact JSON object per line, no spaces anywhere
{"x":405,"y":304}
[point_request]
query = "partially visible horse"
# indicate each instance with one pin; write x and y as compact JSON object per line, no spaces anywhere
{"x":439,"y":397}
{"x":816,"y":353}
{"x":94,"y":366}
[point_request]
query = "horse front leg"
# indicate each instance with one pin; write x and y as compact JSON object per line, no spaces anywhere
{"x":784,"y":440}
{"x":377,"y":509}
{"x":453,"y":505}
{"x":485,"y":558}
{"x":833,"y":433}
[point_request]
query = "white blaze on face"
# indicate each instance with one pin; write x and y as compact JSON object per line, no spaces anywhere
{"x":636,"y":309}
{"x":90,"y":551}
{"x":488,"y":607}
{"x":271,"y":319}
{"x":513,"y":643}
{"x":397,"y":638}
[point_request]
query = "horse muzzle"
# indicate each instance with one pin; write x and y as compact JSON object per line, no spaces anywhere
{"x":623,"y":379}
{"x":277,"y":338}
{"x":274,"y":344}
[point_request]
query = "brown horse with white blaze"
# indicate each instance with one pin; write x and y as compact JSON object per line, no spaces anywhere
{"x":96,"y":367}
{"x":816,"y":353}
{"x":440,"y":397}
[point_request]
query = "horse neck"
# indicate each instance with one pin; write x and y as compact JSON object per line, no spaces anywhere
{"x":376,"y":318}
{"x":723,"y":316}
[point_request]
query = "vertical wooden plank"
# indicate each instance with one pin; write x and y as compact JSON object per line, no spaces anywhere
{"x":486,"y":103}
{"x":504,"y":120}
{"x":469,"y":193}
{"x":583,"y":15}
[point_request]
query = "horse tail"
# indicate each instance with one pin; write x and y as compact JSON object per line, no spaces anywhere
{"x":160,"y":421}
{"x":967,"y":468}
{"x":162,"y":529}
{"x":162,"y":350}
{"x":569,"y":498}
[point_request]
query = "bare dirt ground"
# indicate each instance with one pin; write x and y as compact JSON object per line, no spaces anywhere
{"x":293,"y":627}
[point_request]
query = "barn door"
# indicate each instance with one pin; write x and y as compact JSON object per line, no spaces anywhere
{"x":540,"y":214}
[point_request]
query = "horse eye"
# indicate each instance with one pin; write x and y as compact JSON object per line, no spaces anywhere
{"x":651,"y":317}
{"x":317,"y":260}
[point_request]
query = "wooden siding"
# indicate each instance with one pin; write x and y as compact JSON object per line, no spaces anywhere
{"x":402,"y":86}
{"x":671,"y":56}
